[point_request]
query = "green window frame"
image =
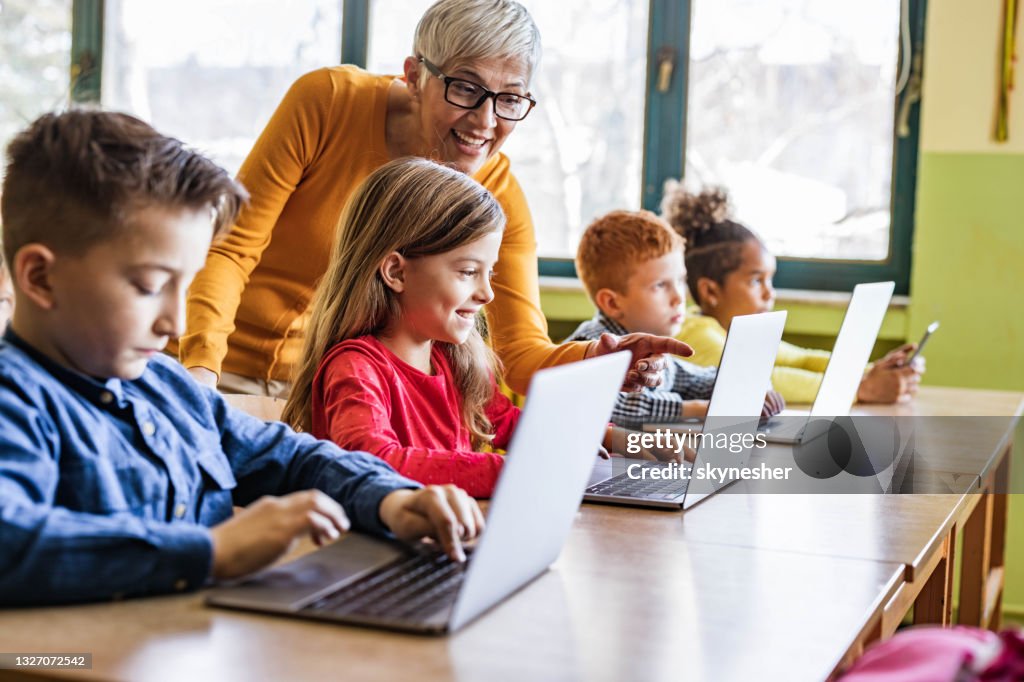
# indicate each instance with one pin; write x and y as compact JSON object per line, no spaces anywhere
{"x":664,"y":138}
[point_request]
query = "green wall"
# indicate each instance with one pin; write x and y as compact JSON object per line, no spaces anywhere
{"x":969,"y":268}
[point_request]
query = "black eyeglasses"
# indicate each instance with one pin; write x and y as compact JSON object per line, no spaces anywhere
{"x":469,"y":95}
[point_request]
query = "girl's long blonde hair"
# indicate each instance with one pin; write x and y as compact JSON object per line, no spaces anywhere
{"x":417,"y":208}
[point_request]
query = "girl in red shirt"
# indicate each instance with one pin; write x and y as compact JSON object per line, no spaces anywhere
{"x":394,"y":362}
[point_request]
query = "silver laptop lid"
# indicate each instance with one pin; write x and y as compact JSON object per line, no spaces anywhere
{"x":744,"y":377}
{"x":852,"y":350}
{"x":540,"y":488}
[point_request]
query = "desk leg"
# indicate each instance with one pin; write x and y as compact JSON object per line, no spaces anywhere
{"x":981,"y":582}
{"x":934,"y":604}
{"x":976,"y":561}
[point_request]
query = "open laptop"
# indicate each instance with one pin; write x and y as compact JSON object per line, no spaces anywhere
{"x":744,"y":377}
{"x":368,"y":581}
{"x":850,"y":355}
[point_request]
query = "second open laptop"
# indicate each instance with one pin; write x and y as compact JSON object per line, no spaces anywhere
{"x":850,"y":355}
{"x":744,"y":376}
{"x":367,"y":581}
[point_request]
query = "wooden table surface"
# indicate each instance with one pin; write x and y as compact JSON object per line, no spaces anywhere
{"x":616,"y":606}
{"x":740,"y":587}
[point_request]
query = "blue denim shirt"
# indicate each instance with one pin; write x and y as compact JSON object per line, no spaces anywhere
{"x":107,"y":487}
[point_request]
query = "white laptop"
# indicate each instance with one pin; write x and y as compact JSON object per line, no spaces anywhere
{"x":850,"y":355}
{"x":367,"y":581}
{"x":744,"y":376}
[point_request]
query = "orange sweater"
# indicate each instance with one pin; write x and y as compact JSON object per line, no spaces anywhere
{"x":247,"y":309}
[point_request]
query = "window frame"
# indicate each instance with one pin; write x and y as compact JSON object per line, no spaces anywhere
{"x":664,"y":137}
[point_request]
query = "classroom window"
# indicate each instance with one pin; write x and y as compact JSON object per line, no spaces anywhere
{"x":792,"y":110}
{"x":35,"y":60}
{"x":806,"y":110}
{"x":579,"y":153}
{"x":213,"y":82}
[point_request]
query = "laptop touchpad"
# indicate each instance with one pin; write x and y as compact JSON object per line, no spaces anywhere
{"x":292,"y":586}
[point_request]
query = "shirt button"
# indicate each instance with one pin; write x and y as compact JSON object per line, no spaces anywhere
{"x":149,"y":428}
{"x":180,"y":510}
{"x":180,"y":584}
{"x":106,"y":397}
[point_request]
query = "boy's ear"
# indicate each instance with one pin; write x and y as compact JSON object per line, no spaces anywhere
{"x":392,"y":271}
{"x":609,"y":304}
{"x":31,"y":274}
{"x":709,"y":294}
{"x":411,"y":68}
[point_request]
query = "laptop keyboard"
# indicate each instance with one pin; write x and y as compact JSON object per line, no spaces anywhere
{"x":409,"y":588}
{"x":646,"y":488}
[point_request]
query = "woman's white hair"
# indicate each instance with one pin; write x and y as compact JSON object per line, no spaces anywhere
{"x":452,"y":33}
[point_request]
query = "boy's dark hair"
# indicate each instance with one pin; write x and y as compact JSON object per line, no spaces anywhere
{"x":714,"y":243}
{"x":75,"y":179}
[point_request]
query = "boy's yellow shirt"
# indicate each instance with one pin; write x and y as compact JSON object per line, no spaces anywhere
{"x":798,"y":371}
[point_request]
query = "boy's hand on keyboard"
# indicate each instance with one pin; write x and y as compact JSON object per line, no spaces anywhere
{"x":647,"y":350}
{"x":260,"y":533}
{"x":695,"y":409}
{"x":444,"y":513}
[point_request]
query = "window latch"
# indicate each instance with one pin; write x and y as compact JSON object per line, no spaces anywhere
{"x":666,"y":59}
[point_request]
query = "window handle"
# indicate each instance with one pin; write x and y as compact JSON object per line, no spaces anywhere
{"x":666,"y":65}
{"x":911,"y":94}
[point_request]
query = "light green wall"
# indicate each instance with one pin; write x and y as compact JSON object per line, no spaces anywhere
{"x":808,"y":324}
{"x":969,"y":272}
{"x":969,"y":268}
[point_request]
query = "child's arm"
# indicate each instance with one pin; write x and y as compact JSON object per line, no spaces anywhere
{"x":796,"y":385}
{"x":268,"y":458}
{"x":53,"y":555}
{"x":810,"y":359}
{"x":682,"y":395}
{"x":357,"y":415}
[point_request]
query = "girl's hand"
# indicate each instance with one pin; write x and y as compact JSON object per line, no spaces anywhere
{"x":773,"y":404}
{"x":647,"y":350}
{"x":888,"y":383}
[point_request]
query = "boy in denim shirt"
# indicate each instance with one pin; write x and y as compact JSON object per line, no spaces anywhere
{"x":118,"y":472}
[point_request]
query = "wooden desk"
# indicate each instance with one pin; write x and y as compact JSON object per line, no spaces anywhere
{"x":984,"y":518}
{"x":741,"y":587}
{"x":617,"y":606}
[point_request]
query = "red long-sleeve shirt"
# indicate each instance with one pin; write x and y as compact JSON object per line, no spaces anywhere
{"x":366,"y":398}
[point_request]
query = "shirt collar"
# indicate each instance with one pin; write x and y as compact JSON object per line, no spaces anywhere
{"x":610,"y":324}
{"x":93,"y":389}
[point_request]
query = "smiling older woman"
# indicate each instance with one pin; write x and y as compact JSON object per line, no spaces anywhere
{"x":463,"y":91}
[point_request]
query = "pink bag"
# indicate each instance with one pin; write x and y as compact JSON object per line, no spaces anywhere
{"x":934,"y":654}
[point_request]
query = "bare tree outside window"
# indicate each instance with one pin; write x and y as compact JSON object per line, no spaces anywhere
{"x":791,"y":108}
{"x":35,"y":60}
{"x":211,"y":72}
